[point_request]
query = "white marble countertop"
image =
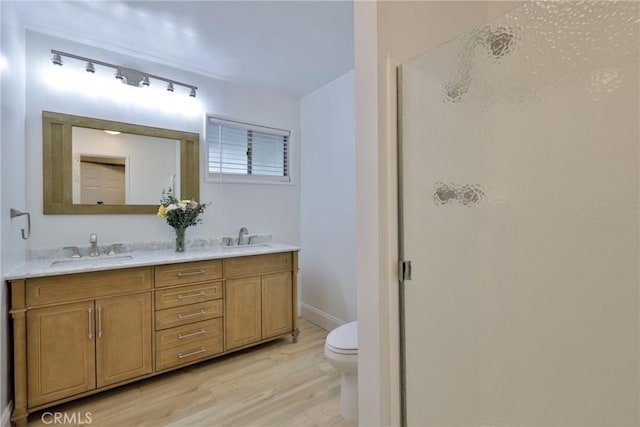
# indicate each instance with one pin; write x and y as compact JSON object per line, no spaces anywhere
{"x":58,"y":266}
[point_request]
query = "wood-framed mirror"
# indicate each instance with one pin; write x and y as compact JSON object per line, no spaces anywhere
{"x":84,"y":173}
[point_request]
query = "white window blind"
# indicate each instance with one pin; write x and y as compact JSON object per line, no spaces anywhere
{"x":241,"y":149}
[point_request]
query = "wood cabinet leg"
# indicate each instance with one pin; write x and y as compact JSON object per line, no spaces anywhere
{"x":19,"y":418}
{"x":294,"y":299}
{"x":19,"y":319}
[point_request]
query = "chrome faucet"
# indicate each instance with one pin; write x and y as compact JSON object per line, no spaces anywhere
{"x":93,"y":239}
{"x":242,"y":232}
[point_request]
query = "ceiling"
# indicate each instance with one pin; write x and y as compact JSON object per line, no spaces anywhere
{"x":291,"y":47}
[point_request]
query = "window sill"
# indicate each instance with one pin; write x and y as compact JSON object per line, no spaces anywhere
{"x":247,"y":179}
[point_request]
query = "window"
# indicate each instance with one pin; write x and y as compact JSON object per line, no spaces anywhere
{"x":244,"y":152}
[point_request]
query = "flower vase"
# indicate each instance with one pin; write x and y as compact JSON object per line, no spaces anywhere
{"x":180,"y":239}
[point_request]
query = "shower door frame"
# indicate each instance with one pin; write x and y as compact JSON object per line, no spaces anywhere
{"x":402,"y":279}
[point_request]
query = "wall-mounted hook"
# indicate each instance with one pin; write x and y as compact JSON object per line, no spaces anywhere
{"x":15,"y":213}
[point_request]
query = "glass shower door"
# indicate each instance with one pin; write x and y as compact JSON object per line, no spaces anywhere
{"x":520,"y":215}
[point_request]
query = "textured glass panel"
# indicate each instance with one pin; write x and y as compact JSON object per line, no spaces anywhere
{"x":520,"y":212}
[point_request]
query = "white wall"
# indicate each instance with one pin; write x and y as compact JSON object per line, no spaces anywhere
{"x":327,"y":204}
{"x":388,"y":33}
{"x":261,"y":208}
{"x":12,"y":177}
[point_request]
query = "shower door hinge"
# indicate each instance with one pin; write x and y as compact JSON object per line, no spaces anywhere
{"x":404,"y":268}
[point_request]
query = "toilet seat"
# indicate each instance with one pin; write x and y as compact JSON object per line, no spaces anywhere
{"x":344,"y":339}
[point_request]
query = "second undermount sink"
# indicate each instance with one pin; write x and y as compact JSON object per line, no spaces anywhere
{"x":95,"y":260}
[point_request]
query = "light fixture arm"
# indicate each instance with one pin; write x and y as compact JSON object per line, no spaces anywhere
{"x":132,"y":77}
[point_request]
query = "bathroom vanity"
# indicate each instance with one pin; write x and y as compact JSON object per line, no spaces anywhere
{"x":83,"y":327}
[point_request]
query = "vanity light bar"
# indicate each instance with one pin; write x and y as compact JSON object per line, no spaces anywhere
{"x":127,"y":75}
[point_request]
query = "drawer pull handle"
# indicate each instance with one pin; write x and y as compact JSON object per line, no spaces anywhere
{"x":193,"y":334}
{"x":90,"y":317}
{"x":99,"y":321}
{"x":181,"y":356}
{"x":197,"y":294}
{"x":192,"y":273}
{"x":187,"y":316}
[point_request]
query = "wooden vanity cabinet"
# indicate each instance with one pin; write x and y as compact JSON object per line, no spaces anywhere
{"x":189,"y":312}
{"x":75,"y":347}
{"x":81,"y":346}
{"x":78,"y":334}
{"x":259,"y":299}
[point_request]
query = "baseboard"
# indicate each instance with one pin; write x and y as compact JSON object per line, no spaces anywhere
{"x":6,"y":415}
{"x":320,"y":318}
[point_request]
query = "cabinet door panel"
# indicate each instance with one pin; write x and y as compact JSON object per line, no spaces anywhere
{"x":242,"y":312}
{"x":277,"y":313}
{"x":123,"y":338}
{"x":61,"y":349}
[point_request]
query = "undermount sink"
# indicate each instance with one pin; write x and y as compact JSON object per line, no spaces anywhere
{"x":251,"y":246}
{"x":99,"y":260}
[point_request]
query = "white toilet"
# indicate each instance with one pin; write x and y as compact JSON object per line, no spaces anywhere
{"x":341,"y":349}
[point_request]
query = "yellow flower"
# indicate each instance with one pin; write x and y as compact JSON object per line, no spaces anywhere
{"x":162,"y":211}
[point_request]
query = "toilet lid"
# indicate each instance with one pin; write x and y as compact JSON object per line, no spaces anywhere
{"x":344,"y":339}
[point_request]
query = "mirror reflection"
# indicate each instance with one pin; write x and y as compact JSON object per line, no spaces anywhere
{"x":118,"y":168}
{"x":87,"y":171}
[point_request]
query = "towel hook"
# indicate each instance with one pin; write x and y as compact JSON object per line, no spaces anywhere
{"x":15,"y":213}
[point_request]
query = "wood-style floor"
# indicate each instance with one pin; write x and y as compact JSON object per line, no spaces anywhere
{"x":276,"y":384}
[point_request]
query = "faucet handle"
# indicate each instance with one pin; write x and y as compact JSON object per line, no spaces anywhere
{"x":114,"y":248}
{"x":75,"y":252}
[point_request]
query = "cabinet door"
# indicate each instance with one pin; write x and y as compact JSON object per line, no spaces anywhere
{"x":242,"y":312}
{"x":123,"y":338}
{"x":277,"y":312}
{"x":61,"y":349}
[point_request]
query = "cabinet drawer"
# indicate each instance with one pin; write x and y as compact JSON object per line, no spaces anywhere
{"x":188,"y":272}
{"x":70,"y":287}
{"x":188,"y":353}
{"x":257,"y":264}
{"x":191,"y":313}
{"x":187,"y":334}
{"x":184,"y":295}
